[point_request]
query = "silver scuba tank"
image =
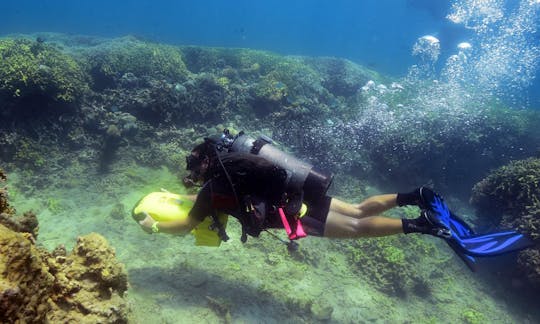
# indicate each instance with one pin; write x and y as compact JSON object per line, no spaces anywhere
{"x":301,"y":176}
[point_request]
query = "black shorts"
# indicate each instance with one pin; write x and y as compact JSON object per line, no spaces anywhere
{"x":313,"y":222}
{"x":315,"y":218}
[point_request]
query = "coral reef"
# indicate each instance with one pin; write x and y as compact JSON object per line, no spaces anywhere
{"x":111,"y":64}
{"x":361,"y":119}
{"x":84,"y":286}
{"x":509,"y":197}
{"x":341,"y":77}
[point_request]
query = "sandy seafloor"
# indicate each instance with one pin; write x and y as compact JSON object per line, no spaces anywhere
{"x":173,"y":281}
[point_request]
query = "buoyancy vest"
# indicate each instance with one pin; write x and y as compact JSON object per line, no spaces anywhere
{"x":256,"y":188}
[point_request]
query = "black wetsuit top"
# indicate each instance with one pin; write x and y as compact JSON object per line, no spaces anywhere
{"x":257,"y":183}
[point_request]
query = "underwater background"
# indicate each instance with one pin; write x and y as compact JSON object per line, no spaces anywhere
{"x":100,"y":102}
{"x":377,"y":34}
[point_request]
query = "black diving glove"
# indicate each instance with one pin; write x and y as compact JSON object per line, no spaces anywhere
{"x":409,"y":198}
{"x":427,"y":223}
{"x":421,"y":197}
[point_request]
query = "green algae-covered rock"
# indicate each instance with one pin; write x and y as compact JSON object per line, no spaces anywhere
{"x":342,"y":77}
{"x":510,"y":191}
{"x":110,"y":61}
{"x":509,"y":197}
{"x":33,"y":68}
{"x":445,"y":145}
{"x":249,"y":63}
{"x":472,"y":316}
{"x":396,"y":265}
{"x":257,"y":81}
{"x":321,"y":312}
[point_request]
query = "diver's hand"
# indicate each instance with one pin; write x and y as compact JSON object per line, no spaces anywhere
{"x":147,"y":222}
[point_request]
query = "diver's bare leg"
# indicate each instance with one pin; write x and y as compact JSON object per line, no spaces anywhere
{"x":372,"y":206}
{"x":350,"y":221}
{"x":341,"y":226}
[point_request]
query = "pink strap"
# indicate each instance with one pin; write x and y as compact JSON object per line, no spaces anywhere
{"x":299,"y":228}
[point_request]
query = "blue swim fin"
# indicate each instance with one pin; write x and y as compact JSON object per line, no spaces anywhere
{"x":461,"y":237}
{"x":495,"y":243}
{"x":469,"y":260}
{"x":461,"y":229}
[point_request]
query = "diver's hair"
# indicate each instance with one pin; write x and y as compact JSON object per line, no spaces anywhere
{"x":207,"y":148}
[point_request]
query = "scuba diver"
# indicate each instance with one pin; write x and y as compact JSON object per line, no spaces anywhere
{"x":264,"y":187}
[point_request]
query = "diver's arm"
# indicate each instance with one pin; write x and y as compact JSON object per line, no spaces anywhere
{"x":189,"y":197}
{"x":200,"y":210}
{"x":182,"y":226}
{"x":178,"y":227}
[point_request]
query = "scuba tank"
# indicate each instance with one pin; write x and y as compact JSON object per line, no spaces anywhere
{"x":301,"y":176}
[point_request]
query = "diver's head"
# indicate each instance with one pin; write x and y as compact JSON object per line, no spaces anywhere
{"x":205,"y":156}
{"x":198,"y":162}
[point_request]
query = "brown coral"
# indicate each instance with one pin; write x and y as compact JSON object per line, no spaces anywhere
{"x":25,"y":282}
{"x":27,"y":223}
{"x":85,"y":286}
{"x":4,"y":204}
{"x":89,"y":283}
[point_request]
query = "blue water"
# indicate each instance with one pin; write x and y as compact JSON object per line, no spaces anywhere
{"x":375,"y":33}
